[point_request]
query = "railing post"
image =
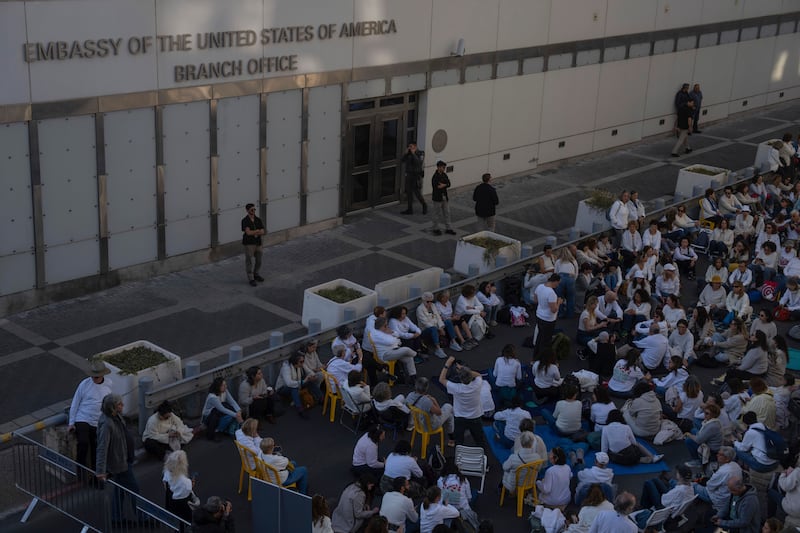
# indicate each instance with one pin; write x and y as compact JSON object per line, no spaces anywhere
{"x":193,"y":407}
{"x":527,"y":250}
{"x":235,"y":354}
{"x":314,"y":326}
{"x":145,"y":386}
{"x":473,"y":270}
{"x":444,"y":279}
{"x":349,"y":314}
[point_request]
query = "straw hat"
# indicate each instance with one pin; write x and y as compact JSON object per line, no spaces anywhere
{"x":97,"y":368}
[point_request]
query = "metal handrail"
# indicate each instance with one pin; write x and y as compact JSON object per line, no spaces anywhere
{"x":277,"y":354}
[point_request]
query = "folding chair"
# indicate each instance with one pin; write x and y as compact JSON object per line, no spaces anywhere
{"x":355,"y":410}
{"x":248,"y":458}
{"x":472,"y":461}
{"x":423,"y":426}
{"x":702,"y":241}
{"x":656,"y":519}
{"x":270,"y":474}
{"x":680,"y":511}
{"x":525,"y":479}
{"x":332,"y":394}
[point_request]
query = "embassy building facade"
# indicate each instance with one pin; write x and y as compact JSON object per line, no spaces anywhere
{"x":133,"y":132}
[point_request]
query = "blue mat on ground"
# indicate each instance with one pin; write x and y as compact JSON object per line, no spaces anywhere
{"x":552,"y":440}
{"x":794,"y":359}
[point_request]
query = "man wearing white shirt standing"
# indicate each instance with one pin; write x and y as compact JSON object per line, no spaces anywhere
{"x":84,"y":412}
{"x":467,"y":406}
{"x":619,"y":215}
{"x":547,"y":306}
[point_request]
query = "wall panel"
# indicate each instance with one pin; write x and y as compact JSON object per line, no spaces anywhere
{"x":570,"y":102}
{"x":713,"y":69}
{"x":721,"y":10}
{"x":516,"y":111}
{"x":323,"y":205}
{"x":324,"y":137}
{"x":572,"y":146}
{"x":523,"y":23}
{"x":630,"y":16}
{"x":667,"y":73}
{"x":16,"y":207}
{"x":576,"y":20}
{"x":186,"y":177}
{"x":17,"y":273}
{"x":676,"y":13}
{"x":283,"y":213}
{"x":520,"y":159}
{"x":761,"y":8}
{"x":468,"y":133}
{"x":621,"y":92}
{"x":131,"y":187}
{"x":752,"y":72}
{"x":412,"y":41}
{"x":617,"y":136}
{"x":238,"y":170}
{"x":786,"y":62}
{"x":283,"y":144}
{"x":473,"y":20}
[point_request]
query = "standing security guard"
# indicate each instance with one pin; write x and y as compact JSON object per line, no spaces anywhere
{"x":413,"y":160}
{"x":252,"y":230}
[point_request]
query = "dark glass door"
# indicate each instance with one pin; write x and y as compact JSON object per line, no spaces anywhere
{"x":374,"y":146}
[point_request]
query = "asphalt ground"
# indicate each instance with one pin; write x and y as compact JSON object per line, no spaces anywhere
{"x":199,"y":313}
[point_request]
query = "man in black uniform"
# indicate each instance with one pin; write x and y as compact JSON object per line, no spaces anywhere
{"x":683,"y":128}
{"x":412,"y":160}
{"x":252,"y":230}
{"x":441,"y":209}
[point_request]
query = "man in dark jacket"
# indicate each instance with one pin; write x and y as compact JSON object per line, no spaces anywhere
{"x":115,"y":453}
{"x":743,"y":514}
{"x":485,"y":198}
{"x":412,"y":161}
{"x":441,"y":208}
{"x":213,"y":517}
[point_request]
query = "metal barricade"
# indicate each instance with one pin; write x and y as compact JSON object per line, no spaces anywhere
{"x":73,"y":490}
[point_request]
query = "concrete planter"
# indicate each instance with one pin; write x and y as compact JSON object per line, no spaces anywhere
{"x":127,"y":385}
{"x":469,"y":254}
{"x":397,"y":289}
{"x":767,"y":158}
{"x":688,"y":180}
{"x":588,"y":219}
{"x":330,"y":313}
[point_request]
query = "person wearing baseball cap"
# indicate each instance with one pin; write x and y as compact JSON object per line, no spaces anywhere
{"x":599,"y":473}
{"x":84,"y":412}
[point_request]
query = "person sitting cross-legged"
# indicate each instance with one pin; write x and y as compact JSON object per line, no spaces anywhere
{"x":565,"y":420}
{"x":599,"y":474}
{"x":165,"y":432}
{"x":751,"y":451}
{"x":715,"y":489}
{"x":292,"y":378}
{"x":620,"y":444}
{"x":506,"y":422}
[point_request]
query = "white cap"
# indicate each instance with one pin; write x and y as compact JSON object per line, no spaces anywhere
{"x":601,"y":458}
{"x":669,"y":266}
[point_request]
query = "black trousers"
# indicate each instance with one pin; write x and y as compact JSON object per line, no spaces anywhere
{"x":544,"y":335}
{"x":474,"y":426}
{"x":413,"y":190}
{"x":87,"y":444}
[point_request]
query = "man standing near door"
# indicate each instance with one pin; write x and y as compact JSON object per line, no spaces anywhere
{"x":252,"y":230}
{"x":485,"y":198}
{"x":412,"y":160}
{"x":441,"y":209}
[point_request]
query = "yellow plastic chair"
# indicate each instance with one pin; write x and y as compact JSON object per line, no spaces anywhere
{"x":332,"y":394}
{"x":270,"y":474}
{"x":378,"y":360}
{"x":525,"y":479}
{"x":247,"y":457}
{"x":704,"y":223}
{"x":422,"y":426}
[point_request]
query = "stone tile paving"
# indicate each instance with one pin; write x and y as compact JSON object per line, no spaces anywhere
{"x":10,"y":343}
{"x":585,"y":170}
{"x":739,"y":127}
{"x":732,"y":156}
{"x":36,"y":382}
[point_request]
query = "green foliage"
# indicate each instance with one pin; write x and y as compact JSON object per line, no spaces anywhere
{"x":704,"y":171}
{"x":600,"y":199}
{"x":135,"y":359}
{"x":340,"y":294}
{"x":491,"y":247}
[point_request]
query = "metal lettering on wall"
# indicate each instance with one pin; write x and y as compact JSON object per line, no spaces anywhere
{"x":103,"y":47}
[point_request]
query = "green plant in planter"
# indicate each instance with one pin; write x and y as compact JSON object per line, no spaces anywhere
{"x":491,"y":247}
{"x":600,"y":200}
{"x":340,"y":294}
{"x":135,"y":359}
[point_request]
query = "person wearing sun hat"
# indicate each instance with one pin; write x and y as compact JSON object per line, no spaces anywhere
{"x":713,"y":298}
{"x":84,"y":412}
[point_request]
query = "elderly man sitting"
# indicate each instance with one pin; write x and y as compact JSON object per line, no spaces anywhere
{"x":715,"y":489}
{"x":441,"y":415}
{"x":654,"y":348}
{"x":165,"y":432}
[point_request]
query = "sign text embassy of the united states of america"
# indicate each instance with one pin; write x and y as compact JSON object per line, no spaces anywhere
{"x":184,"y":42}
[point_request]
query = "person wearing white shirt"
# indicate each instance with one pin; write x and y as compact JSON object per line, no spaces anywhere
{"x":547,"y":306}
{"x":717,"y":268}
{"x":402,"y":326}
{"x":388,"y":348}
{"x":657,"y":493}
{"x":467,"y":403}
{"x":433,"y":512}
{"x":248,"y":437}
{"x":681,"y":341}
{"x":399,"y":463}
{"x":84,"y":411}
{"x":396,"y":507}
{"x":738,"y":301}
{"x":608,"y":306}
{"x":742,"y":274}
{"x":713,"y":298}
{"x":506,"y":423}
{"x":467,"y":303}
{"x":721,"y":239}
{"x":618,"y":437}
{"x":791,"y":299}
{"x":593,"y":504}
{"x":617,"y":520}
{"x":652,"y":237}
{"x":601,"y":406}
{"x":554,"y":488}
{"x":179,"y":487}
{"x":744,"y":226}
{"x":752,"y":450}
{"x":770,"y":234}
{"x":619,"y":215}
{"x":716,"y":490}
{"x":507,"y":373}
{"x":525,"y":454}
{"x":654,"y":348}
{"x":792,"y":268}
{"x":546,"y":376}
{"x":433,"y":325}
{"x":729,"y":205}
{"x":365,"y":453}
{"x":668,"y":282}
{"x":631,"y":245}
{"x":339,"y":366}
{"x":297,"y":474}
{"x":636,"y":210}
{"x":599,"y":473}
{"x":765,"y":265}
{"x":675,"y":377}
{"x":487,"y":296}
{"x":378,"y":312}
{"x":566,"y":417}
{"x":686,"y":258}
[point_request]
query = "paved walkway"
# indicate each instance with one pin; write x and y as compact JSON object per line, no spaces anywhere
{"x":199,"y":313}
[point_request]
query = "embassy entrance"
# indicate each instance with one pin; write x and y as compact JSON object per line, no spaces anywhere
{"x":376,"y":134}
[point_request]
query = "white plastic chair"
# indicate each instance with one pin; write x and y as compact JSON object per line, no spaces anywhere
{"x":472,"y":461}
{"x":657,"y":518}
{"x":681,"y":510}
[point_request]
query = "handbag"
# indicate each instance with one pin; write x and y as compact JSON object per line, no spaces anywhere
{"x":477,"y":325}
{"x":307,"y":399}
{"x":782,"y":314}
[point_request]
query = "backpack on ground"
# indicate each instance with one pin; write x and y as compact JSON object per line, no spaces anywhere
{"x":776,"y":446}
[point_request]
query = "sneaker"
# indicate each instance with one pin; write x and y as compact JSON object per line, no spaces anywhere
{"x":674,"y":155}
{"x":258,"y":278}
{"x":493,"y":323}
{"x":579,"y":453}
{"x":573,"y":458}
{"x":253,"y":283}
{"x":450,"y":232}
{"x":468,"y":345}
{"x":473,"y":342}
{"x":436,"y":232}
{"x":688,"y":150}
{"x":440,"y":353}
{"x":694,"y":463}
{"x":657,"y":457}
{"x":455,"y":346}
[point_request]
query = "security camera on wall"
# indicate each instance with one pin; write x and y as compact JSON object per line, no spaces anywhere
{"x":459,"y":51}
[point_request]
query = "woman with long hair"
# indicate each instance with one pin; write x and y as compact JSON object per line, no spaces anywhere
{"x":507,"y":374}
{"x":179,"y":489}
{"x":778,"y":356}
{"x":594,"y":503}
{"x":221,"y":413}
{"x":755,"y":362}
{"x":567,"y":267}
{"x":256,"y":396}
{"x":355,"y":505}
{"x":320,"y":515}
{"x":625,"y":374}
{"x":546,"y":376}
{"x":689,"y":399}
{"x":591,"y":322}
{"x":433,"y":511}
{"x":487,"y":296}
{"x":638,"y":310}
